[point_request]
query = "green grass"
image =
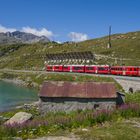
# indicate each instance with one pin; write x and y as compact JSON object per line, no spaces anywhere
{"x":121,"y":130}
{"x":132,"y":98}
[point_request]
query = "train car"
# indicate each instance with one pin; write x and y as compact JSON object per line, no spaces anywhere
{"x":117,"y":70}
{"x":67,"y":68}
{"x":78,"y":68}
{"x":58,"y":68}
{"x":103,"y":69}
{"x":125,"y":70}
{"x":90,"y":69}
{"x":131,"y":70}
{"x":49,"y":68}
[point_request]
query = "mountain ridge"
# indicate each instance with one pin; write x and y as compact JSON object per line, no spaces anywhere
{"x":21,"y":37}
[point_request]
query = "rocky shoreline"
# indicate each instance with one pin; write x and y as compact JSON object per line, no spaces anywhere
{"x":19,"y":82}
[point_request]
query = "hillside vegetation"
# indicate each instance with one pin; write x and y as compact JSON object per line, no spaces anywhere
{"x":125,"y":50}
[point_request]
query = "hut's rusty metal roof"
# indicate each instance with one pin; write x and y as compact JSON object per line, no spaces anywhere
{"x":78,"y":90}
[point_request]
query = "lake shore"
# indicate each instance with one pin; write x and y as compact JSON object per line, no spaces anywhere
{"x":17,"y":82}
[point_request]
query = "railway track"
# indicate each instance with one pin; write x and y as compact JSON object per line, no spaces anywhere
{"x":116,"y":77}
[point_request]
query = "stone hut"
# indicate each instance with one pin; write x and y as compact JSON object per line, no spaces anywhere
{"x":70,"y":96}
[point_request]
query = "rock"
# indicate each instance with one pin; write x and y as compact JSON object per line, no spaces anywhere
{"x":84,"y":129}
{"x":19,"y":118}
{"x":34,"y":84}
{"x":28,"y":79}
{"x":134,"y":37}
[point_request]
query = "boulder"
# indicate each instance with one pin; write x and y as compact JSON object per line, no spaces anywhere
{"x":19,"y":118}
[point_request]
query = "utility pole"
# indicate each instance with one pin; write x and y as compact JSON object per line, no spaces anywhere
{"x":109,"y":38}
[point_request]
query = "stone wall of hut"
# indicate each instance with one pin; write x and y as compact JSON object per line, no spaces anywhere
{"x":51,"y":104}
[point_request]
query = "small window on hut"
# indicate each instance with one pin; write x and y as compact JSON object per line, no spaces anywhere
{"x":96,"y":106}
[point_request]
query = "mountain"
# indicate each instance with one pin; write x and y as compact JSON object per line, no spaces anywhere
{"x":125,"y":50}
{"x":21,"y":37}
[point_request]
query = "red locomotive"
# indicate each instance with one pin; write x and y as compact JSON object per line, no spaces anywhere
{"x":97,"y":69}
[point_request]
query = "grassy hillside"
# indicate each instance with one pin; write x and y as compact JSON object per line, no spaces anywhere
{"x":125,"y":50}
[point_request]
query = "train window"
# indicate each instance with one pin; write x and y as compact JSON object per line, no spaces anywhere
{"x":57,"y":67}
{"x":89,"y":68}
{"x":116,"y":69}
{"x":135,"y":69}
{"x":65,"y":67}
{"x":77,"y":68}
{"x":119,"y":69}
{"x":101,"y":68}
{"x":49,"y":67}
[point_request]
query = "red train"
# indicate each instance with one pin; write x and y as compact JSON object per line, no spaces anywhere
{"x":97,"y":69}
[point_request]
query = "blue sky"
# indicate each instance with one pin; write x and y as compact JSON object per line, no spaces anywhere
{"x":65,"y":20}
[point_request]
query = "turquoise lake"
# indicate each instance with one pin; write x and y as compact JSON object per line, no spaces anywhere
{"x":12,"y":95}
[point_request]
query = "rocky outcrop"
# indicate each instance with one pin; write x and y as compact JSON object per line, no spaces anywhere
{"x":19,"y":118}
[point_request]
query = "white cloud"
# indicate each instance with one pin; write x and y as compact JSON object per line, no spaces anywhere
{"x":59,"y":42}
{"x":41,"y":32}
{"x":5,"y":29}
{"x":76,"y":37}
